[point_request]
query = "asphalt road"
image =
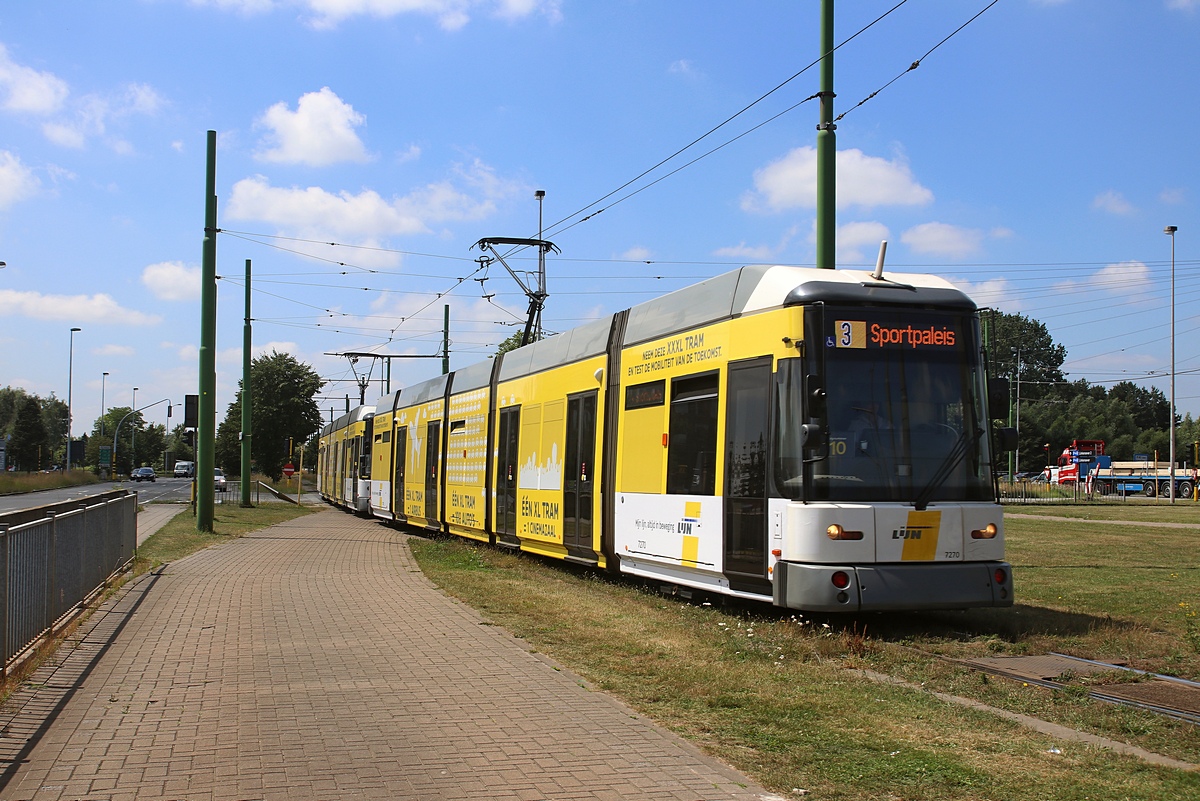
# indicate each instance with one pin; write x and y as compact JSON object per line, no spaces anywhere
{"x":164,"y":489}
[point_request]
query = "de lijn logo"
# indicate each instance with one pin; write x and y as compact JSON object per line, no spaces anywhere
{"x":911,"y":532}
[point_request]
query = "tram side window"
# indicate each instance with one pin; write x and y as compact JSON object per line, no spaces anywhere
{"x":692,"y":436}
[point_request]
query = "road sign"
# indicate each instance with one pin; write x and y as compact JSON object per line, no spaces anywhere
{"x":288,"y":469}
{"x":106,"y":455}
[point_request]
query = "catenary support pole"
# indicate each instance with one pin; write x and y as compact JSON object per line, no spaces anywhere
{"x":247,"y":424}
{"x":446,"y":340}
{"x":826,"y":148}
{"x":206,"y":408}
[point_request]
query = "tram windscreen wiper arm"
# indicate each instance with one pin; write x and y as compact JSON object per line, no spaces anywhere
{"x":951,"y":461}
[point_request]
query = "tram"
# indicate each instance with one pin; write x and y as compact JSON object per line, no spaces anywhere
{"x":344,"y":460}
{"x":815,"y":439}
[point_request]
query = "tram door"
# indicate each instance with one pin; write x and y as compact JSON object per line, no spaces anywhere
{"x":399,"y":457}
{"x":433,"y":449}
{"x":746,"y":437}
{"x":579,"y":474}
{"x":506,"y":475}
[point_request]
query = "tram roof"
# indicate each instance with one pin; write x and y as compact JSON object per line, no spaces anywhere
{"x":759,"y":287}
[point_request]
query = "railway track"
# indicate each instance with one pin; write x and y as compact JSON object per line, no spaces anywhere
{"x":1154,"y":692}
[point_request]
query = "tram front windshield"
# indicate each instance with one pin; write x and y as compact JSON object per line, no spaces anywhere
{"x":903,"y":417}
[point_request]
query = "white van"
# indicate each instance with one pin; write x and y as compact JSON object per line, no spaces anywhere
{"x":185,"y":469}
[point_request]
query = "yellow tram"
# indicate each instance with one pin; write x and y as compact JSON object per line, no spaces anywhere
{"x":817,"y":439}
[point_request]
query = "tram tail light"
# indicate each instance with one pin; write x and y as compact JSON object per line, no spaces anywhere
{"x":1001,"y":575}
{"x":836,"y":532}
{"x":986,"y":533}
{"x":840,"y":579}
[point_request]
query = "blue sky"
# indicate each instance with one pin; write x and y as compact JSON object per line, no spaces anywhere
{"x":1034,"y":158}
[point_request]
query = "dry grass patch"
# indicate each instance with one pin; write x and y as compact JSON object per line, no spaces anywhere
{"x":770,"y":693}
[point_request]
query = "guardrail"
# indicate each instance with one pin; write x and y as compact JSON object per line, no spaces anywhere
{"x":51,"y":566}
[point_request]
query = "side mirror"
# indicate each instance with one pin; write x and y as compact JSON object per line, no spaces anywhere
{"x":1006,"y":439}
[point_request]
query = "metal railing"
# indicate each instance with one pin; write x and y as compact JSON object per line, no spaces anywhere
{"x":51,"y":566}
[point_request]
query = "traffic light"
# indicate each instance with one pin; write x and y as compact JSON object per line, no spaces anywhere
{"x":191,"y":406}
{"x":189,"y":438}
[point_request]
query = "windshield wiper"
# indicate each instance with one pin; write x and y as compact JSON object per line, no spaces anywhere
{"x":948,"y":464}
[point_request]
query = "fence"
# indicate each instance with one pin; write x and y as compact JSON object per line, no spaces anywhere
{"x":1040,"y":492}
{"x":50,"y":566}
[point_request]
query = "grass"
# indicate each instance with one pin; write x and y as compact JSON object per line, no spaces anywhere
{"x":32,"y":482}
{"x":179,"y":536}
{"x":1138,"y":510}
{"x":780,"y":695}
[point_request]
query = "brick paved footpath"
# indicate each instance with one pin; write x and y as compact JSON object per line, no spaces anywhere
{"x":313,"y":660}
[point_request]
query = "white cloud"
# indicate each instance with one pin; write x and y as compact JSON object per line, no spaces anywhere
{"x":411,"y":154}
{"x":942,"y":239}
{"x":636,"y":253}
{"x":858,"y":242}
{"x":1183,"y":5}
{"x":744,"y":252}
{"x":1130,"y":280}
{"x":998,"y":293}
{"x":318,"y":133}
{"x":75,"y":308}
{"x":762,"y":254}
{"x":92,"y":114}
{"x":862,"y":180}
{"x":681,"y":67}
{"x":28,"y":91}
{"x":451,"y":15}
{"x":17,"y":181}
{"x":1172,"y":196}
{"x":172,"y":280}
{"x":1113,"y":202}
{"x":114,"y":350}
{"x":367,"y":216}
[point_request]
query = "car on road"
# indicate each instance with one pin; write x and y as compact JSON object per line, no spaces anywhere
{"x":219,"y":479}
{"x":142,"y":474}
{"x":185,"y":469}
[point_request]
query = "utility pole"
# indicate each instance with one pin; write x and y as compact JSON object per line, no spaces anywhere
{"x":247,"y":419}
{"x":541,"y":196}
{"x":206,"y":417}
{"x":826,"y":148}
{"x":445,"y":341}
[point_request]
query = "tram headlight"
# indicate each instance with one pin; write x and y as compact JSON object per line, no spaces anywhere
{"x":986,"y":533}
{"x":837,"y":532}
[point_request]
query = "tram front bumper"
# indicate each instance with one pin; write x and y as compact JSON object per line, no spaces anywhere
{"x":892,"y":587}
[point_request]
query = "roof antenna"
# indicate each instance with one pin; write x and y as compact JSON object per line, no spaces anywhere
{"x":878,"y":274}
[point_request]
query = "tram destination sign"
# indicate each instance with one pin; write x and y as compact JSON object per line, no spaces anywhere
{"x":867,"y":334}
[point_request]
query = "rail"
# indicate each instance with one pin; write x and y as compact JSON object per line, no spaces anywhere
{"x":51,"y":566}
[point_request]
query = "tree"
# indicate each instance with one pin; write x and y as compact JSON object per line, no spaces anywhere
{"x":124,"y":460}
{"x":1016,"y":339}
{"x":513,"y":341}
{"x":283,"y":409}
{"x":26,"y":449}
{"x":54,"y":421}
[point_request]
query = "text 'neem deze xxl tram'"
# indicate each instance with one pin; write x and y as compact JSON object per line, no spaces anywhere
{"x":819,"y":439}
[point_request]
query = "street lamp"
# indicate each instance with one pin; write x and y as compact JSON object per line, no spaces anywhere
{"x":133,"y":433}
{"x":70,"y":373}
{"x":1170,"y":231}
{"x":103,"y":379}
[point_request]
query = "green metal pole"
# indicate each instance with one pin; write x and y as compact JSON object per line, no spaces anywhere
{"x":826,"y":148}
{"x":207,"y":406}
{"x":247,"y":425}
{"x":446,"y":340}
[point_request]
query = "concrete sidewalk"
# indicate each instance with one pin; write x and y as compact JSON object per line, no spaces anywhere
{"x":313,"y":660}
{"x":156,"y":515}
